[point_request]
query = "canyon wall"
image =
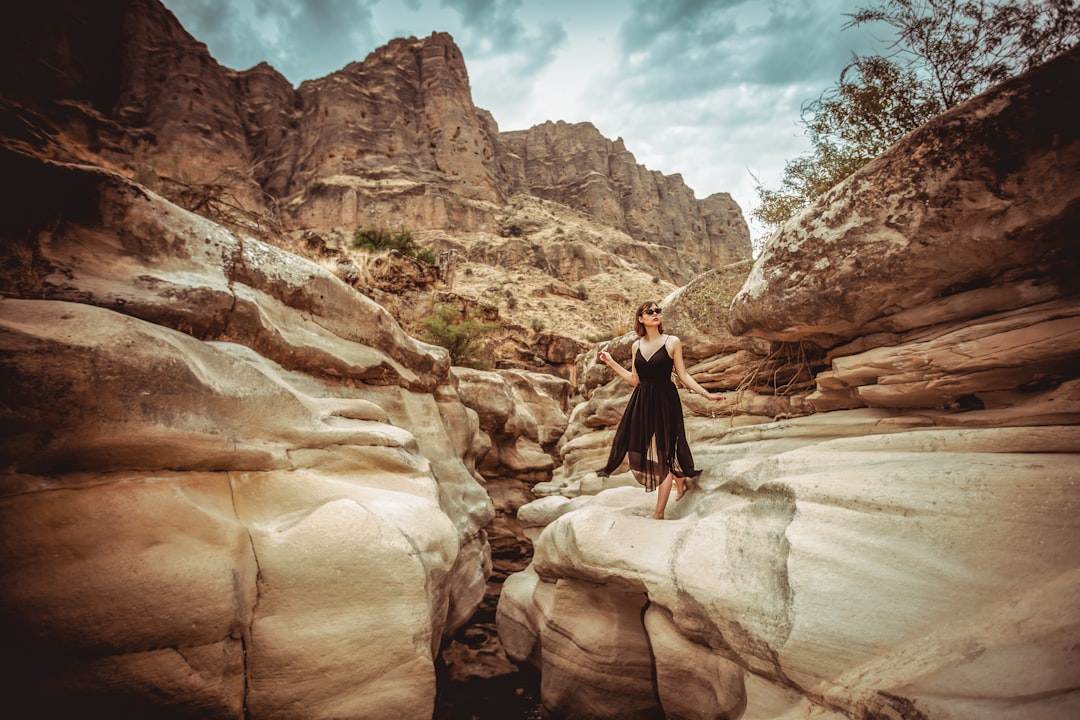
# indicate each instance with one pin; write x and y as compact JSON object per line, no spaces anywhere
{"x":575,"y":165}
{"x":230,"y":485}
{"x":393,"y":141}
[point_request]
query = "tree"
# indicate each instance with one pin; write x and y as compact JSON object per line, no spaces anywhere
{"x":945,"y":52}
{"x":964,"y":47}
{"x":874,"y":103}
{"x":460,"y":333}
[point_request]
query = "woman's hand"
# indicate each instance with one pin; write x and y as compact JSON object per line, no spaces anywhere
{"x":603,"y":357}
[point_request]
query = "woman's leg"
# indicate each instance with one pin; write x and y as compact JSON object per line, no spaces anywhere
{"x":680,"y":486}
{"x":662,"y":492}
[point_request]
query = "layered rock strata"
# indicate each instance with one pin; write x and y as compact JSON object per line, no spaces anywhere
{"x":575,"y":165}
{"x":231,"y":484}
{"x":393,"y":141}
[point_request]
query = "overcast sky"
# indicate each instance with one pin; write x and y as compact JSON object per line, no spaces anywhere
{"x":709,"y":89}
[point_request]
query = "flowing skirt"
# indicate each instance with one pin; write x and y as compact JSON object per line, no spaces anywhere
{"x":651,"y":436}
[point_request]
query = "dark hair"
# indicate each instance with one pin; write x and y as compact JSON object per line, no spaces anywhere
{"x":638,"y":327}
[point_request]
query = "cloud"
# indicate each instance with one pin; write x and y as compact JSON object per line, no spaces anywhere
{"x":317,"y":37}
{"x":302,"y":39}
{"x":679,"y":50}
{"x":494,"y":28}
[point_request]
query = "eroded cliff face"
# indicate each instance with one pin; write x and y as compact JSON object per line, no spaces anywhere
{"x":231,"y":484}
{"x":575,"y":165}
{"x":906,"y":547}
{"x":391,"y":142}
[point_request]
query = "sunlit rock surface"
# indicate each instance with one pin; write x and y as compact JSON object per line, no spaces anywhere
{"x":231,"y":484}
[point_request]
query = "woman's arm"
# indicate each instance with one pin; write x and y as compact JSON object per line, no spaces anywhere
{"x":629,"y":376}
{"x":680,"y":370}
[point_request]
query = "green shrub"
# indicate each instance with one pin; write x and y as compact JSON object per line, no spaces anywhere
{"x":427,"y":255}
{"x":460,"y":335}
{"x":536,"y":325}
{"x":378,"y":239}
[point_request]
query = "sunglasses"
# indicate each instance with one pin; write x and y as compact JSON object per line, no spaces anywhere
{"x":652,"y":311}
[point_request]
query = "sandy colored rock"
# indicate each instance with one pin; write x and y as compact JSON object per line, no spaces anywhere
{"x":877,"y":533}
{"x":982,"y":195}
{"x":251,"y":481}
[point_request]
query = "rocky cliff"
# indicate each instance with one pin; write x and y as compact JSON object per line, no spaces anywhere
{"x":393,"y":141}
{"x":907,"y":547}
{"x":231,"y":485}
{"x":576,"y":166}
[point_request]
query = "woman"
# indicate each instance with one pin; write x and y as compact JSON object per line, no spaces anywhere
{"x":651,"y":431}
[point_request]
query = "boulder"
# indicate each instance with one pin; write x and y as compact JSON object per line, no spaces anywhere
{"x":982,"y":196}
{"x":230,"y":483}
{"x":918,"y":572}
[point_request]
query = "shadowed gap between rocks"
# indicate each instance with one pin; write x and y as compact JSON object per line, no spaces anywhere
{"x":475,"y":679}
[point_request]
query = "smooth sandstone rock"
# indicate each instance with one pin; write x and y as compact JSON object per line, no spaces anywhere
{"x":983,"y":194}
{"x":203,"y":502}
{"x":228,"y":481}
{"x":834,"y":568}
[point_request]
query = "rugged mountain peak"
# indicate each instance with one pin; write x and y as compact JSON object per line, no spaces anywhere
{"x":404,"y":114}
{"x":390,"y":142}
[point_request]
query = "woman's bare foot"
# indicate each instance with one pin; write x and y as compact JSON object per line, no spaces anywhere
{"x":662,"y":492}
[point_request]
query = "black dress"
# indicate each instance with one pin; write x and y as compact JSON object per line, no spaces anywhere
{"x":651,"y":433}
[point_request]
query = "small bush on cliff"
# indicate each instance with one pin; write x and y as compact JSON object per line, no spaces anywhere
{"x":460,"y":333}
{"x":427,"y":255}
{"x":377,"y":239}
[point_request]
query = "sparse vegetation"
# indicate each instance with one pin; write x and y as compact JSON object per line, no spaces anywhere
{"x":378,"y":239}
{"x":426,"y":254}
{"x":710,"y":295}
{"x":459,"y":332}
{"x":196,"y":184}
{"x":536,"y":325}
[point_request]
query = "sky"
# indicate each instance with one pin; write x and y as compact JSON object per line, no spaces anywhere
{"x":708,"y":89}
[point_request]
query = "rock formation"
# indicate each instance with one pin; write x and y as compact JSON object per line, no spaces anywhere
{"x":231,"y":484}
{"x":574,"y":165}
{"x":907,"y":547}
{"x":393,"y":141}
